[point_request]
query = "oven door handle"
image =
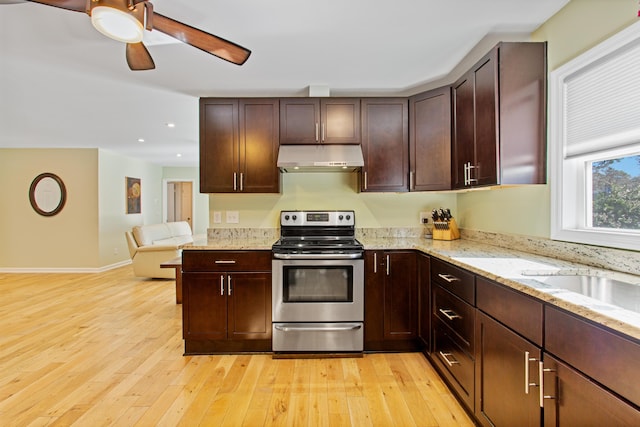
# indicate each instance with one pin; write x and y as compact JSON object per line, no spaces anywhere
{"x":357,"y":255}
{"x":294,"y":328}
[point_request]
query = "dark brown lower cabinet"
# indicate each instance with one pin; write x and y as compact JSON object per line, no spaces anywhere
{"x":226,"y":311}
{"x":507,"y":392}
{"x":424,"y":301}
{"x":391,"y":301}
{"x":571,"y":399}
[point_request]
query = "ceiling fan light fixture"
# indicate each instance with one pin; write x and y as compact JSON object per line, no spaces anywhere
{"x":117,"y":24}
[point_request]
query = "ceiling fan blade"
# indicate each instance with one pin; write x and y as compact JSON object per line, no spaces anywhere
{"x":209,"y":43}
{"x":75,"y":5}
{"x":138,"y":57}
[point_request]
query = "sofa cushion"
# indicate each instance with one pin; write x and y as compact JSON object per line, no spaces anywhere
{"x":147,"y":234}
{"x":180,"y":228}
{"x":177,"y":240}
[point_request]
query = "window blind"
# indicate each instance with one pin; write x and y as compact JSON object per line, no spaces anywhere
{"x":602,"y":103}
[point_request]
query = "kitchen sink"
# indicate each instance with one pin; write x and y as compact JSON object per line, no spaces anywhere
{"x":615,"y":292}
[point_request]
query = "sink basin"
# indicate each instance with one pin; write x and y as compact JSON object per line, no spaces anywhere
{"x":615,"y":292}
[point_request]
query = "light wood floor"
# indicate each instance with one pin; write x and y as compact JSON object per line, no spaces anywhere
{"x":106,"y":349}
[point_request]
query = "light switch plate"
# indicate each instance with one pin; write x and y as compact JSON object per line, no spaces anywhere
{"x":233,"y":217}
{"x":217,"y":217}
{"x":424,"y":217}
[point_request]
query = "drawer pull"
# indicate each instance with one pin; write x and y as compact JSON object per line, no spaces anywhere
{"x":448,"y":277}
{"x":446,"y":356}
{"x":221,"y":285}
{"x":225,"y":261}
{"x":449,"y":314}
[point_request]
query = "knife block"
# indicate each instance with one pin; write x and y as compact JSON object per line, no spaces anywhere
{"x":445,"y":230}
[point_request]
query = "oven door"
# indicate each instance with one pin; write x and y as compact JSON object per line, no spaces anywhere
{"x":318,"y":290}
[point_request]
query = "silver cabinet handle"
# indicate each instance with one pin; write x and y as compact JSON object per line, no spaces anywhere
{"x":317,"y":132}
{"x":449,"y":314}
{"x":323,"y":126}
{"x":365,"y":180}
{"x":466,"y":174}
{"x":221,"y":285}
{"x":241,"y":181}
{"x":375,"y":262}
{"x":411,"y":185}
{"x":229,"y":285}
{"x":446,"y":357}
{"x":471,"y":180}
{"x":448,"y":277}
{"x":541,"y":372}
{"x":388,"y":265}
{"x":235,"y":181}
{"x":528,"y":360}
{"x":225,"y":261}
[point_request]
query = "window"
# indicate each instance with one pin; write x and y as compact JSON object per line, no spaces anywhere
{"x":594,"y":123}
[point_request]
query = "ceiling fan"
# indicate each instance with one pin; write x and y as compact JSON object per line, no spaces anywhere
{"x":126,"y":20}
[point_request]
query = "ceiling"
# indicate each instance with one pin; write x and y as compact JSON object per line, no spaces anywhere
{"x":63,"y":84}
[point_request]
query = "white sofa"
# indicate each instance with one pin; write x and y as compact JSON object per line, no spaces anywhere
{"x":151,"y":245}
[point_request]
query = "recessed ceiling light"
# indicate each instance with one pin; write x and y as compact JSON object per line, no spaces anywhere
{"x":171,"y":125}
{"x":140,"y":139}
{"x":178,"y":155}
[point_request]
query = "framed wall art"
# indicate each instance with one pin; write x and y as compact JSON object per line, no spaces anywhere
{"x":133,"y":192}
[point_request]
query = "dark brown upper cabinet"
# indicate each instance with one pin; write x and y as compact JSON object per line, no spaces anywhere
{"x":430,"y":140}
{"x":499,"y":118}
{"x":320,"y":121}
{"x":239,"y":145}
{"x":385,"y":144}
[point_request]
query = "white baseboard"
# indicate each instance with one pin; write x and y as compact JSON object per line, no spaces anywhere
{"x":66,"y":269}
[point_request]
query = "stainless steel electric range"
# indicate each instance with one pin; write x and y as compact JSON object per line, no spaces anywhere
{"x":318,"y":283}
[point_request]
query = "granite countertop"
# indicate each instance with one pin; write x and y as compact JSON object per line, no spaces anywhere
{"x":518,"y":270}
{"x":509,"y":267}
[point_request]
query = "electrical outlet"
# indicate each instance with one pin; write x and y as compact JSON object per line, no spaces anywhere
{"x":424,"y":217}
{"x":217,"y":217}
{"x":233,"y":217}
{"x":115,"y":251}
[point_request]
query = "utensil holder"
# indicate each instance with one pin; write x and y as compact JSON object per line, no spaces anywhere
{"x":445,"y":230}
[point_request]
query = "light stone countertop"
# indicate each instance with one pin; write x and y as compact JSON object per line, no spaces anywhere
{"x":505,"y":266}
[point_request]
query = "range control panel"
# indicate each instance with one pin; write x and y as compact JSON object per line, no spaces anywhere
{"x":317,"y":218}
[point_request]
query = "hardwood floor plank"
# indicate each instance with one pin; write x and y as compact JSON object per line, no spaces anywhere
{"x":106,"y":350}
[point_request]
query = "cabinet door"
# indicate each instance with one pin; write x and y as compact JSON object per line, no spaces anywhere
{"x":219,"y":154}
{"x":249,"y":305}
{"x":503,"y":395}
{"x":400,"y":296}
{"x":430,"y":139}
{"x":340,"y":121}
{"x":299,"y":121}
{"x":385,"y":146}
{"x":204,"y":306}
{"x":259,"y":137}
{"x":575,"y":400}
{"x":486,"y":113}
{"x":463,"y":129}
{"x":373,"y":300}
{"x":424,"y":301}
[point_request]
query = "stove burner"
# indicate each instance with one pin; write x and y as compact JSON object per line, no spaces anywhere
{"x":317,"y":233}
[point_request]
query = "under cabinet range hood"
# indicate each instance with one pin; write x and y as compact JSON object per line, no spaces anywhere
{"x":320,"y":158}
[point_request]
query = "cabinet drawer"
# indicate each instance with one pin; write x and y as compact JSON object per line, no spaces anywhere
{"x":512,"y":308}
{"x":211,"y":260}
{"x":458,"y":366}
{"x":605,"y":356}
{"x":454,"y":279}
{"x":456,"y":314}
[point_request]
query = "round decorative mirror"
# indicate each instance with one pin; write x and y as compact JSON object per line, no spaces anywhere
{"x":47,"y":194}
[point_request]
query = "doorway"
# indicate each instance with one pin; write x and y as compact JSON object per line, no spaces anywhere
{"x":178,"y":201}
